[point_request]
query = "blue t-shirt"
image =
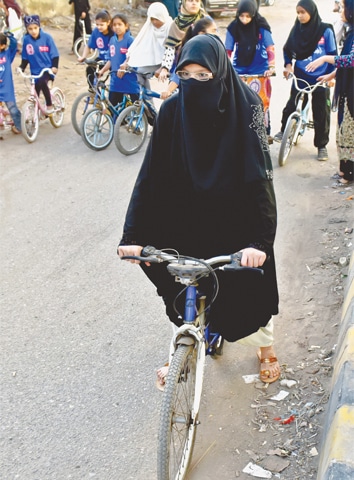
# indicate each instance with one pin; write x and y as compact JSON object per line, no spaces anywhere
{"x":118,"y":54}
{"x":100,"y":41}
{"x":260,"y":60}
{"x":7,"y":92}
{"x":39,"y":52}
{"x":326,"y":46}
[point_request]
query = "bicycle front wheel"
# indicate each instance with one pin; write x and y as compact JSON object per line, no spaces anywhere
{"x":287,"y":141}
{"x":97,"y":129}
{"x":58,"y":101}
{"x":81,"y":105}
{"x":79,"y":46}
{"x":130,"y":130}
{"x":29,"y":121}
{"x":178,"y":420}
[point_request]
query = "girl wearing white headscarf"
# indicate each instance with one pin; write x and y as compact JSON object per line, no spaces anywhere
{"x":147,"y":50}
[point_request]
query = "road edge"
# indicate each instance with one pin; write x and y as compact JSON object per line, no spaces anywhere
{"x":337,"y":453}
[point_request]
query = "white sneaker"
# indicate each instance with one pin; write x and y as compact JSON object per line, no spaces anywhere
{"x":49,"y":110}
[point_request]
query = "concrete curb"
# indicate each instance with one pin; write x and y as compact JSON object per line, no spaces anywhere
{"x":337,"y":452}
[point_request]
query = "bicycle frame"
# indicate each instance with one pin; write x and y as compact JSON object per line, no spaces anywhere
{"x":34,"y":98}
{"x":298,"y":120}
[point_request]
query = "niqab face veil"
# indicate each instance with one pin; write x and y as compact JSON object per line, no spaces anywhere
{"x":219,"y":126}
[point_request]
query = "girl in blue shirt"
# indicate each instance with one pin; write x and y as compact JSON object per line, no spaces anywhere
{"x":7,"y":91}
{"x":39,"y":51}
{"x":249,"y":40}
{"x":118,"y":46}
{"x":99,"y":39}
{"x":309,"y":39}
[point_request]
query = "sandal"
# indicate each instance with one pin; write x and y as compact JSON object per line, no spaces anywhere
{"x":337,"y":176}
{"x":161,"y":377}
{"x":264,"y":375}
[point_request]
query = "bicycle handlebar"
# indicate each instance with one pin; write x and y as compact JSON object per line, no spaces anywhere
{"x":152,"y":255}
{"x":49,"y":70}
{"x":258,"y":75}
{"x":308,"y":88}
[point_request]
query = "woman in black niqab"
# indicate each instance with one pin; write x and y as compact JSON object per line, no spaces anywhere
{"x":205,"y":189}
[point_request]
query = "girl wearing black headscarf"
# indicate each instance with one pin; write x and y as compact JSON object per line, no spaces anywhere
{"x":343,"y":95}
{"x":309,"y":39}
{"x":205,"y":189}
{"x":249,"y":40}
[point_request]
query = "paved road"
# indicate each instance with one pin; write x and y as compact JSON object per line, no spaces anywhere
{"x":81,"y":332}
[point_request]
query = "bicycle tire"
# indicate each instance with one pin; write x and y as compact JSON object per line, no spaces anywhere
{"x":58,"y":100}
{"x":80,"y":106}
{"x":129,"y":136}
{"x":287,"y":141}
{"x":29,"y":121}
{"x":97,"y":129}
{"x":178,"y":421}
{"x":79,"y":46}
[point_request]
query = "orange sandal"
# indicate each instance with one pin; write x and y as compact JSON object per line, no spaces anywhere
{"x":264,"y":375}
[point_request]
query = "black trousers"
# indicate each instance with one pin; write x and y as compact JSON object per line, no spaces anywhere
{"x":77,"y":29}
{"x":321,"y":111}
{"x":42,"y":86}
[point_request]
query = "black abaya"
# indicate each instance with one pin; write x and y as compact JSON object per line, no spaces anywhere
{"x":227,"y":205}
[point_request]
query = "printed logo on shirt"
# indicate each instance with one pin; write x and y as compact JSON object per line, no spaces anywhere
{"x":44,"y":48}
{"x":322,"y":41}
{"x":112,"y":50}
{"x":2,"y":60}
{"x":100,"y":43}
{"x":29,"y":49}
{"x":123,"y":50}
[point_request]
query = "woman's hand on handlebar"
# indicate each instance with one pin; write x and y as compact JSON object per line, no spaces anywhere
{"x":163,"y":74}
{"x":251,"y":257}
{"x":329,"y":79}
{"x":131,"y":250}
{"x":288,"y":70}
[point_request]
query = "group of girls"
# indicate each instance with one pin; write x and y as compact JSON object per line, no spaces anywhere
{"x":38,"y":51}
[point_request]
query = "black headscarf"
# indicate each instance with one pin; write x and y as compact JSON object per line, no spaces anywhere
{"x":220,"y":123}
{"x":304,"y":37}
{"x":247,"y":36}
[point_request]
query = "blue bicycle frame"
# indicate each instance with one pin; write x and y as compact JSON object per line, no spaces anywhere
{"x":190,"y":313}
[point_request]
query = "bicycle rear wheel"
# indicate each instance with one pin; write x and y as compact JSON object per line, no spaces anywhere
{"x":81,"y":105}
{"x":79,"y":46}
{"x":29,"y":121}
{"x":287,"y":141}
{"x":178,"y":421}
{"x":97,"y":129}
{"x":130,"y":130}
{"x":58,"y":100}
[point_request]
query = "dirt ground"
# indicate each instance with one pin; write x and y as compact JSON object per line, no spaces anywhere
{"x":284,"y":434}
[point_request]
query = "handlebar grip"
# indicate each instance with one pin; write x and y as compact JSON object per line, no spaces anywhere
{"x":235,"y":267}
{"x":141,"y":259}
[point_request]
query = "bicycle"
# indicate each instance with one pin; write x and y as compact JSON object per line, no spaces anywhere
{"x":97,"y":125}
{"x":131,"y":127}
{"x":190,"y":345}
{"x":298,"y":121}
{"x":6,"y":121}
{"x":33,"y":111}
{"x":81,"y":42}
{"x":86,"y":100}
